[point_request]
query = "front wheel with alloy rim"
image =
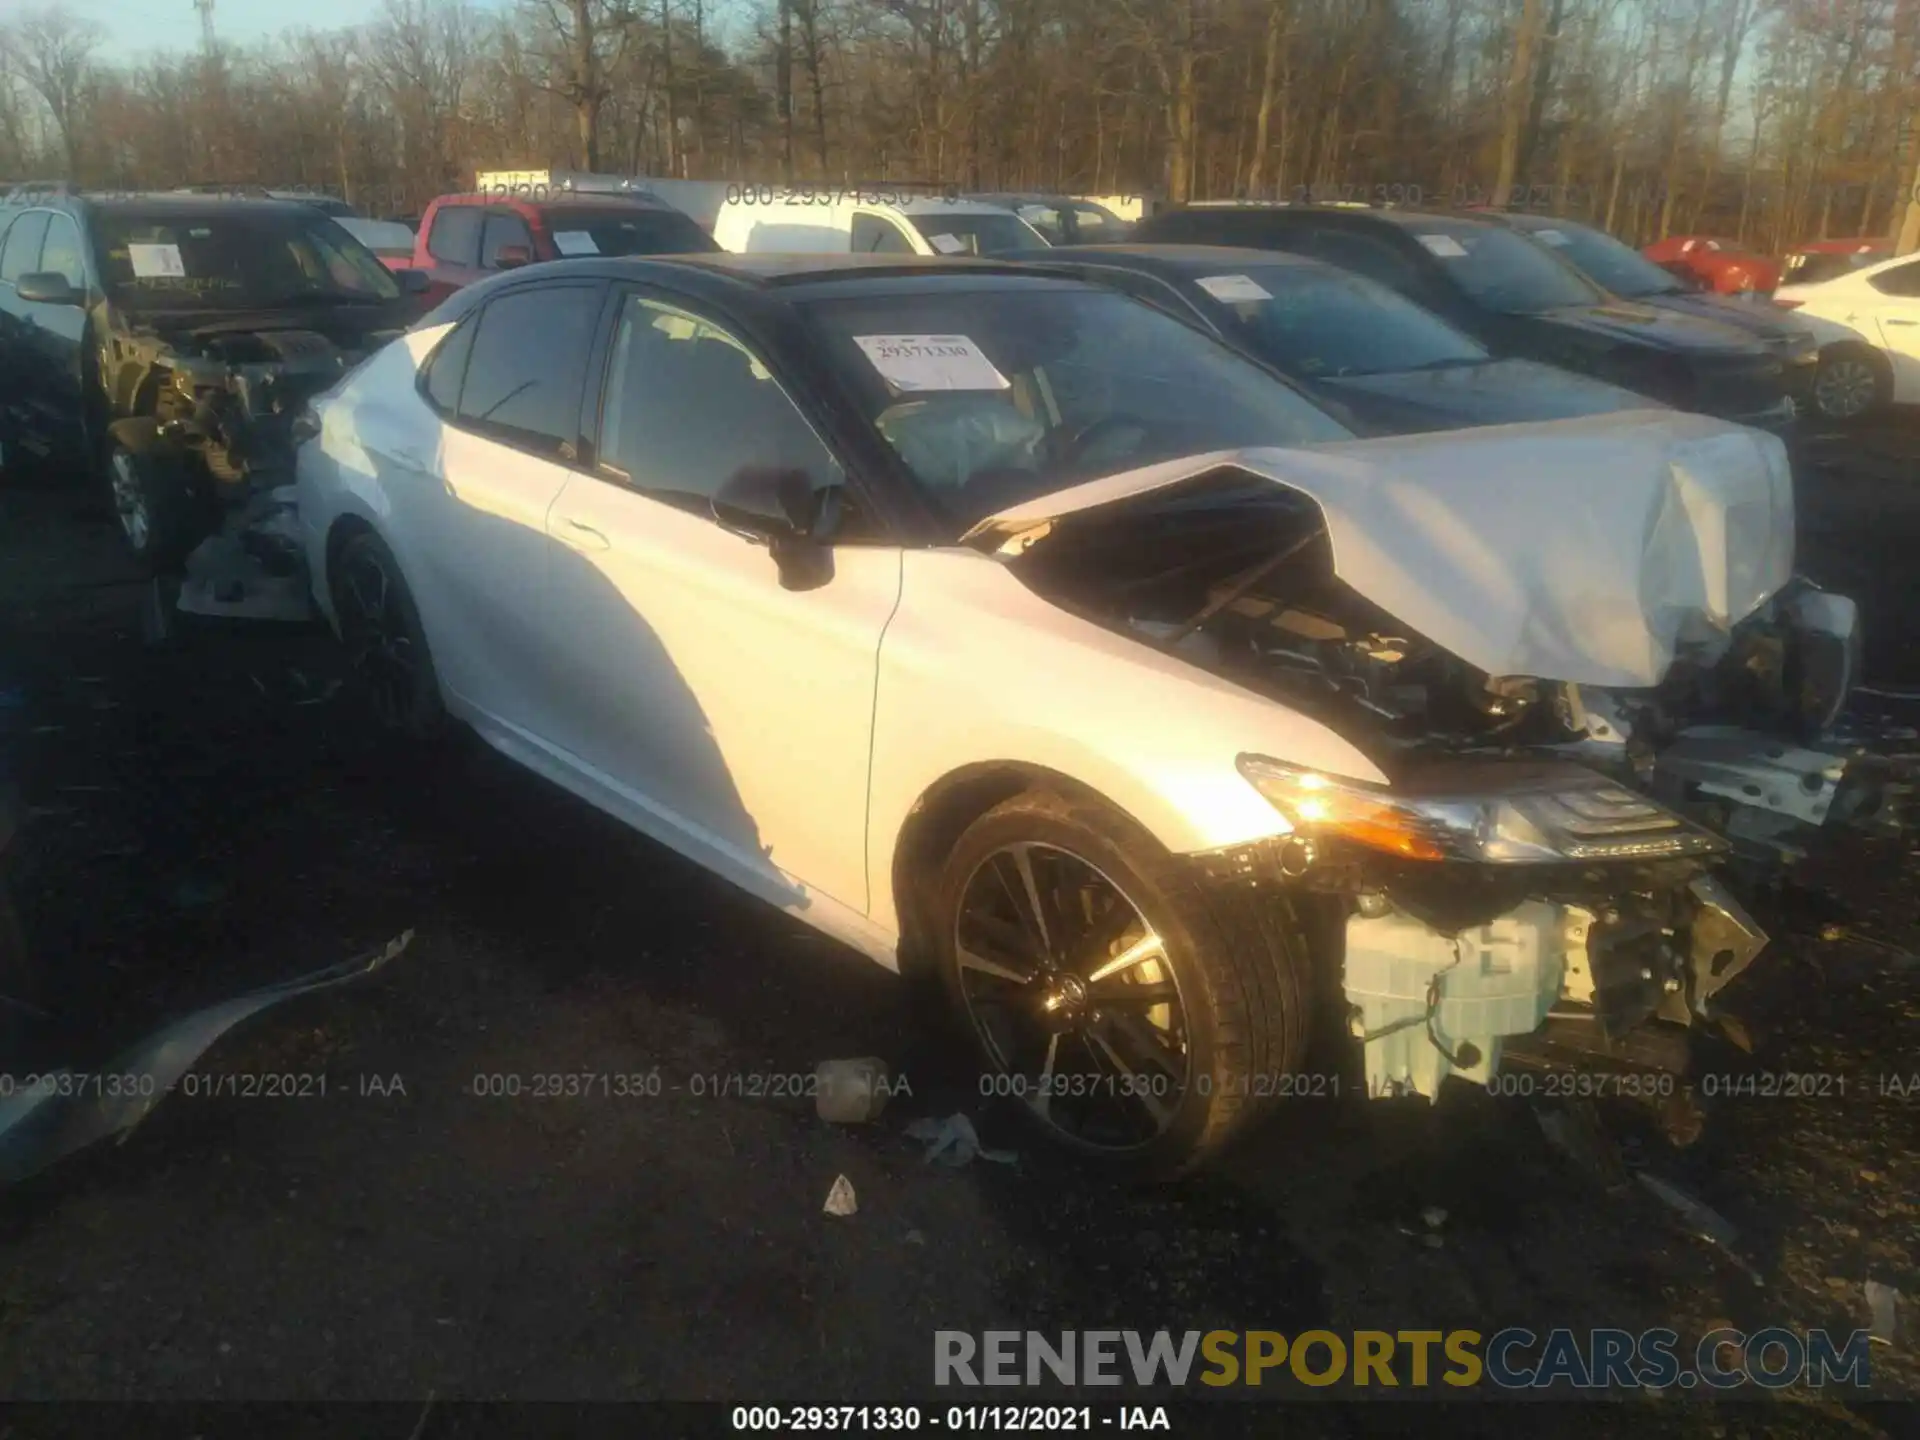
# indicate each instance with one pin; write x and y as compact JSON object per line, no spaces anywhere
{"x":160,"y":511}
{"x":1131,"y":1011}
{"x":386,"y":645}
{"x":1852,"y":382}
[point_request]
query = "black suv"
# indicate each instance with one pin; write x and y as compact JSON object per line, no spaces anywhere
{"x":1513,"y":296}
{"x":165,"y":344}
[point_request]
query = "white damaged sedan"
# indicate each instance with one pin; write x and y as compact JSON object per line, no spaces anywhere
{"x":1002,"y":626}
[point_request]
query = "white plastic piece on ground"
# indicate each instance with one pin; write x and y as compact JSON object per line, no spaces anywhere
{"x":1587,"y":550}
{"x":1488,"y":982}
{"x":1882,"y":1303}
{"x":840,"y":1199}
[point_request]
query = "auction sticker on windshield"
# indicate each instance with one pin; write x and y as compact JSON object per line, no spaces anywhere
{"x":574,"y":242}
{"x":1550,"y":237}
{"x":1233,"y":289}
{"x":156,"y":262}
{"x":947,"y":244}
{"x":931,"y":362}
{"x":1445,"y":246}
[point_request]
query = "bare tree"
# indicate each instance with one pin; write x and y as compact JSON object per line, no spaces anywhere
{"x":53,"y":53}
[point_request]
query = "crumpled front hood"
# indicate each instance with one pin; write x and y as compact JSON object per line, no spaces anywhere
{"x":1582,"y":550}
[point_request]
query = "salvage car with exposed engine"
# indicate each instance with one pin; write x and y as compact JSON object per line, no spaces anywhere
{"x":165,"y":344}
{"x":1022,"y":636}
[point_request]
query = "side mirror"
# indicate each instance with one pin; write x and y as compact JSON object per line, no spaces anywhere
{"x":781,"y":510}
{"x":511,"y":257}
{"x":412,"y":282}
{"x":49,"y":287}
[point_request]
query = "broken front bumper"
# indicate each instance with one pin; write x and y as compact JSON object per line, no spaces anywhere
{"x":1566,"y":982}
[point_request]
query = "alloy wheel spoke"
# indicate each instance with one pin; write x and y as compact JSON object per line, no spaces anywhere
{"x":1143,"y":1041}
{"x":1144,"y":997}
{"x":973,"y":958}
{"x":1134,"y":1086}
{"x":1148,"y":947}
{"x":1024,"y":891}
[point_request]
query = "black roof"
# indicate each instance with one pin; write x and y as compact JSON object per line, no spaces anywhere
{"x":723,"y":275}
{"x":1346,"y":215}
{"x":1177,"y":259}
{"x":164,"y":202}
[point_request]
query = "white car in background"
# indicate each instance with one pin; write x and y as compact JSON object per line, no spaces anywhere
{"x":1868,"y":324}
{"x":1014,"y":632}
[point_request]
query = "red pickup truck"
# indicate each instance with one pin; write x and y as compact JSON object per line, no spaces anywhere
{"x":464,"y":238}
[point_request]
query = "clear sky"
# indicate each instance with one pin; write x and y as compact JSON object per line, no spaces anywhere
{"x":138,"y":28}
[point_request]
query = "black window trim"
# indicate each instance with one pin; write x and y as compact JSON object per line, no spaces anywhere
{"x":878,"y":506}
{"x":897,"y":224}
{"x":502,"y":212}
{"x":80,"y":242}
{"x":478,"y":230}
{"x":423,"y":373}
{"x":28,"y":213}
{"x":574,"y":453}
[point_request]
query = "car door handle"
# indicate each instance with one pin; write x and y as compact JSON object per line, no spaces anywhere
{"x":1903,"y":322}
{"x":404,"y":455}
{"x":583,"y":536}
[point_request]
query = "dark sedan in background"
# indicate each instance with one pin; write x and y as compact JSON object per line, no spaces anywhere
{"x":1513,"y":296}
{"x":1363,"y":351}
{"x":1617,"y":267}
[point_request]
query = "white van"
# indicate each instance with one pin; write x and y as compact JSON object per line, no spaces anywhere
{"x":750,"y":225}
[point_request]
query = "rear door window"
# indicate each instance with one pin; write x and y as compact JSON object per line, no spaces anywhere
{"x":524,"y":374}
{"x":455,"y":236}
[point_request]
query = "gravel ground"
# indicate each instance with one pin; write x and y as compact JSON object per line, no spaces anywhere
{"x":206,"y":815}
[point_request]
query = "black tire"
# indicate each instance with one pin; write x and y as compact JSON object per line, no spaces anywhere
{"x":386,"y":644}
{"x":1853,"y":383}
{"x":1236,"y":959}
{"x":157,"y":505}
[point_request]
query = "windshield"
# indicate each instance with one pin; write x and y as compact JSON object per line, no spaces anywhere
{"x":986,"y":233}
{"x":1502,"y":271}
{"x":233,"y":258}
{"x":992,"y":397}
{"x":625,"y":230}
{"x":1321,"y":324}
{"x":1606,"y":261}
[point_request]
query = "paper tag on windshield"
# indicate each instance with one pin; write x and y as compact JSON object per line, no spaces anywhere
{"x":946,"y":244}
{"x":1550,"y":237}
{"x":1445,"y":246}
{"x":156,"y":262}
{"x":1233,"y":289}
{"x":574,"y":242}
{"x":931,"y":362}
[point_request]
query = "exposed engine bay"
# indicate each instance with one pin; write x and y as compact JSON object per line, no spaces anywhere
{"x":225,"y":394}
{"x":1552,"y":875}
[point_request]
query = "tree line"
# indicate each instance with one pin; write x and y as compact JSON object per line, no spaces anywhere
{"x":1771,"y":121}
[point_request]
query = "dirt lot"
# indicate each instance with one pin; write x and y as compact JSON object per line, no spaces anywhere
{"x":206,"y":815}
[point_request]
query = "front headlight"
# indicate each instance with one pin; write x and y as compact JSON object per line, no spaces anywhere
{"x":1494,"y":815}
